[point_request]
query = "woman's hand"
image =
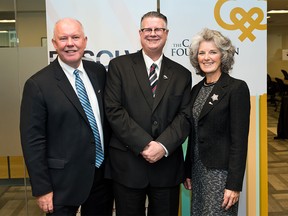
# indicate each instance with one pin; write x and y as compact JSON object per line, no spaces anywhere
{"x":230,"y":198}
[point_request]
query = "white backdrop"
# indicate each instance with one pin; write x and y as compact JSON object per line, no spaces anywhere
{"x":111,"y":25}
{"x":188,"y":17}
{"x":112,"y":29}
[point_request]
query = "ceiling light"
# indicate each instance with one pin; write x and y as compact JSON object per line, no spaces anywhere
{"x":277,"y":11}
{"x":7,"y":21}
{"x":3,"y":31}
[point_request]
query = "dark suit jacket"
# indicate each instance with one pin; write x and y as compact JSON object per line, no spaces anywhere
{"x":57,"y":141}
{"x":136,"y":119}
{"x":223,"y":127}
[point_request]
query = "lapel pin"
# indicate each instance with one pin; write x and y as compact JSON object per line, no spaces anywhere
{"x":214,"y":97}
{"x":99,"y":91}
{"x":165,"y":77}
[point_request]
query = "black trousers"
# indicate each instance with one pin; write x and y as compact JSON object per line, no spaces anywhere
{"x":162,"y":201}
{"x":99,"y":202}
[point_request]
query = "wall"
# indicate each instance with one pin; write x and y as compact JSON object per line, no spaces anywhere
{"x":31,"y":28}
{"x":17,"y":64}
{"x":277,"y":39}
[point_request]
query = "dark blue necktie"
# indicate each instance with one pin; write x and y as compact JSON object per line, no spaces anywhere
{"x":83,"y":97}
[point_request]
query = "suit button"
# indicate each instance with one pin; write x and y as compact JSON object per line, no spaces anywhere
{"x":155,"y":123}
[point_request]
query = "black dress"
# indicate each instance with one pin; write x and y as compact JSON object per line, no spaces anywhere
{"x":208,"y":185}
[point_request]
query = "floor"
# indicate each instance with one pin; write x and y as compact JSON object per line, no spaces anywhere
{"x":12,"y":198}
{"x":277,"y":167}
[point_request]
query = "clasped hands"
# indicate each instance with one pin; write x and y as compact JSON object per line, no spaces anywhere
{"x":153,"y":152}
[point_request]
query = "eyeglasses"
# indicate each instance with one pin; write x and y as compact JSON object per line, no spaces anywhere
{"x":157,"y":31}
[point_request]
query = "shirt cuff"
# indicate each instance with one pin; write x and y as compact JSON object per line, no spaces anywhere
{"x":166,"y":151}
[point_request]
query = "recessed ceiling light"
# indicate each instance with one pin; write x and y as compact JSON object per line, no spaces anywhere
{"x":277,"y":11}
{"x":7,"y":21}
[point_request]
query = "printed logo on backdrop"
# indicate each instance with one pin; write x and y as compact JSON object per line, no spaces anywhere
{"x":245,"y":21}
{"x":181,"y":48}
{"x":102,"y":56}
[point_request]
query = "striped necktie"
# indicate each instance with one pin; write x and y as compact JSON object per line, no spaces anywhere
{"x":153,"y":78}
{"x":83,"y":97}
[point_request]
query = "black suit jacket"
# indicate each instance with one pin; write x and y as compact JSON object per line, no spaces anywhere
{"x":223,"y":127}
{"x":136,"y":119}
{"x":57,"y":140}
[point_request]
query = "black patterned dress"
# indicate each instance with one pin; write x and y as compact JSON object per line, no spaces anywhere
{"x":207,"y":184}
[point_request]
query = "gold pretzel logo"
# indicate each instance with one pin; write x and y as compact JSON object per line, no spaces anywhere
{"x":241,"y":23}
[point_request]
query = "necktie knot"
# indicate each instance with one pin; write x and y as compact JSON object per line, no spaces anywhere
{"x":153,"y":67}
{"x":76,"y":72}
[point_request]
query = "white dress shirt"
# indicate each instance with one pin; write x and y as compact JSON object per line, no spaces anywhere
{"x":69,"y":72}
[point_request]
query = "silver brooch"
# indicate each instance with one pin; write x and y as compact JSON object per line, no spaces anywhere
{"x":214,"y":97}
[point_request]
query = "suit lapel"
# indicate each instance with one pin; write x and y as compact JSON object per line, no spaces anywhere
{"x":165,"y":76}
{"x":67,"y":89}
{"x":216,"y":95}
{"x":142,"y":78}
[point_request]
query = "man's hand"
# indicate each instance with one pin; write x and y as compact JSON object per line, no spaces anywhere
{"x":45,"y":202}
{"x":153,"y":152}
{"x":188,"y":184}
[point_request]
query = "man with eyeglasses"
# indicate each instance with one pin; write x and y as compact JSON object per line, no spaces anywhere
{"x":147,"y":110}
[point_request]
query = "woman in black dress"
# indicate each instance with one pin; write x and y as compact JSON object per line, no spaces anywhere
{"x":217,"y":147}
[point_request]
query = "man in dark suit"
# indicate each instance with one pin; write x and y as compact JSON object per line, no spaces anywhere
{"x":59,"y":145}
{"x":148,"y":126}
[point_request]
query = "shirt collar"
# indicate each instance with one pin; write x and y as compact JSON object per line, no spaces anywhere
{"x":70,"y":69}
{"x":149,"y":61}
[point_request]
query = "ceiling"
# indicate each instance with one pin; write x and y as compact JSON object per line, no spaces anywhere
{"x":277,"y":19}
